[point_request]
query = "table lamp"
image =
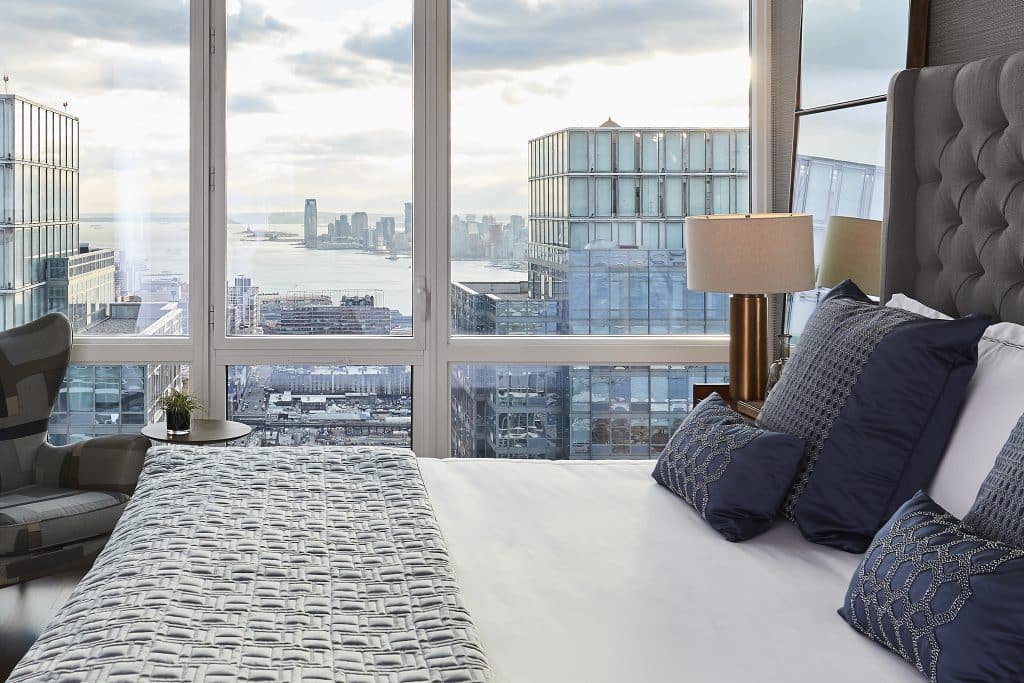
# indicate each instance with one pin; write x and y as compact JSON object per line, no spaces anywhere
{"x":853,"y":249}
{"x":748,"y":256}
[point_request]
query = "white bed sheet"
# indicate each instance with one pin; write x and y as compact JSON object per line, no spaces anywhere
{"x":591,"y":572}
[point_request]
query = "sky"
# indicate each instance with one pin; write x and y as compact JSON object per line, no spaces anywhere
{"x":319,"y":92}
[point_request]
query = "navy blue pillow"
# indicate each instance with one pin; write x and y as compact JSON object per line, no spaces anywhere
{"x":948,"y":601}
{"x":733,"y":473}
{"x":875,"y":392}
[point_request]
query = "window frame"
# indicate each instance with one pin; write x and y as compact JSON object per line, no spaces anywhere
{"x":432,"y":350}
{"x":917,"y":48}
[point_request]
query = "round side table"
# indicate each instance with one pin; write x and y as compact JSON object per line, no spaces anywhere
{"x":203,"y":432}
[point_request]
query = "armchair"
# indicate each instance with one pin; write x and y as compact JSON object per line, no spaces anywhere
{"x":58,"y":504}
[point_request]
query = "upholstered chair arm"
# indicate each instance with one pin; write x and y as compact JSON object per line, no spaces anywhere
{"x":103,"y":463}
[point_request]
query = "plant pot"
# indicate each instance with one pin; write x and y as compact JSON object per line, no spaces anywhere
{"x":179,"y":422}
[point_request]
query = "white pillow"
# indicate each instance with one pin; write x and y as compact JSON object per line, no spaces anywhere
{"x":992,"y":407}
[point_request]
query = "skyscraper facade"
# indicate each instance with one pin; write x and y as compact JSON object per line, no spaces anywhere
{"x":605,"y":256}
{"x":607,"y":207}
{"x":309,"y":221}
{"x":81,"y":286}
{"x":407,"y":226}
{"x":38,"y":202}
{"x":243,"y":306}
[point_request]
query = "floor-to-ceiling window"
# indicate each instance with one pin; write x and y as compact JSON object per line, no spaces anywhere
{"x":453,"y":224}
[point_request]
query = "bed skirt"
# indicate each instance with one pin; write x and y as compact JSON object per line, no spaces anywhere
{"x":268,"y":564}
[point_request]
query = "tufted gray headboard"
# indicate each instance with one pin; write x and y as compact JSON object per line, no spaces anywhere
{"x":953,"y":232}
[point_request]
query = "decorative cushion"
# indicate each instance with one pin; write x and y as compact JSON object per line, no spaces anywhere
{"x":34,"y":517}
{"x":945,"y":599}
{"x":992,"y":407}
{"x":874,"y":391}
{"x":998,"y":513}
{"x":733,"y":473}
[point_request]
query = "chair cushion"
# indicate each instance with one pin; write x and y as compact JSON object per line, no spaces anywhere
{"x":34,"y":517}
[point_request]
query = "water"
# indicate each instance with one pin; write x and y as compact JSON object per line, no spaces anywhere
{"x":277,"y":266}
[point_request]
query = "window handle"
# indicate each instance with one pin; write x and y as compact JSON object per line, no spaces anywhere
{"x":421,"y":302}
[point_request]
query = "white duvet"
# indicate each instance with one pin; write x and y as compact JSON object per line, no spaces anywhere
{"x":591,"y":572}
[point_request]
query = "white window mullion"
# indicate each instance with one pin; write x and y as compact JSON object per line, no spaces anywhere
{"x":438,"y":439}
{"x":201,"y":65}
{"x":215,"y":251}
{"x":569,"y":350}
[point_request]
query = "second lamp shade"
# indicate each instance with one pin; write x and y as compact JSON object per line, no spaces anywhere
{"x":764,"y":253}
{"x":853,"y":250}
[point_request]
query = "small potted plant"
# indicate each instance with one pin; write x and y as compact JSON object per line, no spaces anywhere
{"x":178,"y":406}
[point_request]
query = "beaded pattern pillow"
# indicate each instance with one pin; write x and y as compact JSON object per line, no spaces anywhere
{"x":943,"y":598}
{"x":733,"y":473}
{"x":998,"y":512}
{"x":875,"y":392}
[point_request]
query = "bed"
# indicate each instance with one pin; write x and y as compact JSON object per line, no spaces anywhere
{"x":529,"y":572}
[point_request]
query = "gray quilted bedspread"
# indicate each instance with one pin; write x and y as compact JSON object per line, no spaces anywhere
{"x":283,"y":564}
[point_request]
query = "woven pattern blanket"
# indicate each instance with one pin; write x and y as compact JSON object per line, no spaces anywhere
{"x":268,"y":564}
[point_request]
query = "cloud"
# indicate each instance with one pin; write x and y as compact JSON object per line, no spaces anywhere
{"x":375,"y":144}
{"x":253,"y":23}
{"x":141,"y":75}
{"x":521,"y":35}
{"x":251,"y":104}
{"x":54,"y":24}
{"x":339,"y":69}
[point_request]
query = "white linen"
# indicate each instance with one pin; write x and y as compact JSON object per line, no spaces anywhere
{"x":591,"y":572}
{"x":992,"y":407}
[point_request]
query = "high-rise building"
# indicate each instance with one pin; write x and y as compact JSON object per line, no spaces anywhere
{"x":342,"y":227}
{"x":605,"y":256}
{"x":607,"y":207}
{"x":386,"y":230}
{"x":361,"y":228}
{"x":323,"y":313}
{"x":110,"y":399}
{"x":38,"y":158}
{"x":243,"y":306}
{"x":81,"y":286}
{"x":407,"y":226}
{"x":310,"y":229}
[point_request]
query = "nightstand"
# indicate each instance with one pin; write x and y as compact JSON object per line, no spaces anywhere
{"x":749,"y":409}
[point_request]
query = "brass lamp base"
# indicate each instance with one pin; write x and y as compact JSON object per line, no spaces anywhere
{"x":748,"y":350}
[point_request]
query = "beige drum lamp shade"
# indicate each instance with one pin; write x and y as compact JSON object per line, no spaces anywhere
{"x":764,"y":253}
{"x":853,"y":250}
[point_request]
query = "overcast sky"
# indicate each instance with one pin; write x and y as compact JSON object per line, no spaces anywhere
{"x":320,"y":91}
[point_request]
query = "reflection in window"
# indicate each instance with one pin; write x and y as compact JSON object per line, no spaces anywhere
{"x":578,"y":152}
{"x":558,"y":412}
{"x":627,"y":151}
{"x":851,"y":50}
{"x":96,"y":400}
{"x":649,"y":151}
{"x":603,"y":152}
{"x":839,"y":172}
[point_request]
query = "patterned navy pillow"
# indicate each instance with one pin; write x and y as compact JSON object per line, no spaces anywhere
{"x":998,"y":511}
{"x":948,"y":601}
{"x":875,"y":392}
{"x":733,"y":473}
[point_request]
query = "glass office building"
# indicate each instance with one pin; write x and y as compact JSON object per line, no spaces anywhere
{"x":576,"y":412}
{"x":97,"y":400}
{"x":607,"y":207}
{"x":38,"y":202}
{"x":82,"y":286}
{"x":605,"y":257}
